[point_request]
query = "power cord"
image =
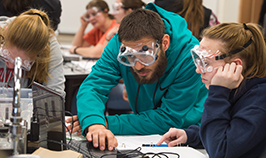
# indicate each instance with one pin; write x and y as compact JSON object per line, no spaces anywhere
{"x":137,"y":154}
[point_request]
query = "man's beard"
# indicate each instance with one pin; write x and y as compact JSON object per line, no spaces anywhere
{"x":157,"y":73}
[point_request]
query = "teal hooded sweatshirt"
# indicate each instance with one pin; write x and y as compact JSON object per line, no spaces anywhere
{"x":175,"y":100}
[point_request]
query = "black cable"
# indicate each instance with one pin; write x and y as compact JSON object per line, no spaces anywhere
{"x":164,"y":154}
{"x":54,"y":118}
{"x":79,"y":148}
{"x":72,"y":123}
{"x":84,"y":152}
{"x":68,"y":112}
{"x":61,"y":121}
{"x":69,"y":145}
{"x":131,"y":152}
{"x":136,"y":100}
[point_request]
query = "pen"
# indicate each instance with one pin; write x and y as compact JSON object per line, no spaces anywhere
{"x":154,"y":145}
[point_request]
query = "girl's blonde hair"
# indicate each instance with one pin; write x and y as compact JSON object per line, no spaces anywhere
{"x":30,"y":32}
{"x":235,"y":36}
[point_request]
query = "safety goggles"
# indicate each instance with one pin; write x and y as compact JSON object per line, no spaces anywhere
{"x":87,"y":16}
{"x":204,"y":59}
{"x":146,"y":54}
{"x":6,"y":57}
{"x":116,"y":7}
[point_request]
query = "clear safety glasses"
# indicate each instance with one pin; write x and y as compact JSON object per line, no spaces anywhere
{"x":146,"y":54}
{"x":204,"y":59}
{"x":94,"y":12}
{"x":6,"y":57}
{"x":207,"y":61}
{"x":117,"y":7}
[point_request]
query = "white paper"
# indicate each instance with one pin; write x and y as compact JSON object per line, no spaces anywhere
{"x":183,"y":152}
{"x":83,"y":65}
{"x":66,"y":46}
{"x":67,"y":55}
{"x":133,"y":142}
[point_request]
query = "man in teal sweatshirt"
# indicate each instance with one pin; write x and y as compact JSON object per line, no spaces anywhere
{"x":151,"y":53}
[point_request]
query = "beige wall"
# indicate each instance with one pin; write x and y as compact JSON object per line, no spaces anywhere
{"x":226,"y":11}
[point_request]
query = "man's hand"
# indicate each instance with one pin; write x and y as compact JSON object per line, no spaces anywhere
{"x":228,"y":76}
{"x":98,"y":134}
{"x":75,"y":126}
{"x":174,"y":137}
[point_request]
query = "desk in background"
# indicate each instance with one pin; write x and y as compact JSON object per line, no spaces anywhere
{"x":76,"y":69}
{"x":74,"y":77}
{"x":75,"y":72}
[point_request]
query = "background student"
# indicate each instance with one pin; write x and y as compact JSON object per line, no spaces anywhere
{"x":159,"y":93}
{"x":92,"y":43}
{"x":231,"y":60}
{"x":120,"y":9}
{"x":198,"y":17}
{"x":53,"y":9}
{"x":29,"y":37}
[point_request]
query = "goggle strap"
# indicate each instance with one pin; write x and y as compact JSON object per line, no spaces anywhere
{"x":234,"y":51}
{"x":126,"y":8}
{"x":37,"y":14}
{"x":220,"y":57}
{"x":2,"y":39}
{"x":2,"y":36}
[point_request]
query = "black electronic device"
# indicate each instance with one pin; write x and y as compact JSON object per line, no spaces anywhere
{"x":88,"y":150}
{"x":49,"y":109}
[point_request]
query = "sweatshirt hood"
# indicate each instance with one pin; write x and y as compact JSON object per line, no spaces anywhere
{"x":245,"y":86}
{"x":181,"y":38}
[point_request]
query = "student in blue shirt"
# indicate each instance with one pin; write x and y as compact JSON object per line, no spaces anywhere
{"x":231,"y":60}
{"x":151,"y":54}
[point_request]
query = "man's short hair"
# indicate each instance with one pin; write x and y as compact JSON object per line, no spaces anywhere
{"x":139,"y":24}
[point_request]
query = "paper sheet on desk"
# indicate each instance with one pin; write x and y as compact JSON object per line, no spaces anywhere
{"x":183,"y":152}
{"x":67,"y":55}
{"x":133,"y":142}
{"x":66,"y":46}
{"x":70,"y":57}
{"x":83,"y":65}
